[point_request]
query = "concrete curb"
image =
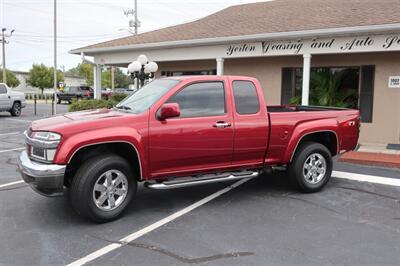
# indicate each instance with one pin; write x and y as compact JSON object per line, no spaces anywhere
{"x":369,"y":158}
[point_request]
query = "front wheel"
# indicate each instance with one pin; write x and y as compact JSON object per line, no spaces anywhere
{"x":103,"y":187}
{"x":16,"y":109}
{"x":311,"y":167}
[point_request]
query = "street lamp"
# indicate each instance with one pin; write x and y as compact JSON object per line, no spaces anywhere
{"x":142,"y":69}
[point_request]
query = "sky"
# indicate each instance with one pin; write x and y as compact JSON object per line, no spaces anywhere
{"x":84,"y":22}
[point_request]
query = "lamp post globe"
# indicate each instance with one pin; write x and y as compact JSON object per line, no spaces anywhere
{"x":142,"y":70}
{"x":147,"y":69}
{"x":142,"y":59}
{"x":153,"y":67}
{"x":135,"y":66}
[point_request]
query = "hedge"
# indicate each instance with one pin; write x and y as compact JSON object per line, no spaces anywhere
{"x":117,"y":97}
{"x":89,"y":104}
{"x":96,"y":104}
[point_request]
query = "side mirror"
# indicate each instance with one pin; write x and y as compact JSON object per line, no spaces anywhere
{"x":169,"y":110}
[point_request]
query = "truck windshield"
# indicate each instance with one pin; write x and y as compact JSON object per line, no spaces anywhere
{"x":146,"y":96}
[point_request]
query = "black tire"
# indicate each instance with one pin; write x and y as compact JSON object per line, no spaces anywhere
{"x":58,"y":100}
{"x":82,"y":195}
{"x":309,"y":151}
{"x":16,"y":109}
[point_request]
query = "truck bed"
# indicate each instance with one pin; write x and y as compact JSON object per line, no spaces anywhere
{"x":299,"y":108}
{"x":289,"y":120}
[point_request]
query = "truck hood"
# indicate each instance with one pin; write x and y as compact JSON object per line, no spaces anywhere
{"x":77,"y":120}
{"x":17,"y":94}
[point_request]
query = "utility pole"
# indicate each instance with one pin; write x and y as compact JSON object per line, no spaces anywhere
{"x":133,"y":23}
{"x":55,"y":57}
{"x":4,"y":42}
{"x":136,"y":19}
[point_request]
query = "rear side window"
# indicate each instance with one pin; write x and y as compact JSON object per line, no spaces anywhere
{"x":3,"y":89}
{"x":246,"y":98}
{"x":201,"y":99}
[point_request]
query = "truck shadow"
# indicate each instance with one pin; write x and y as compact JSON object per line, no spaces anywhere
{"x":160,"y":203}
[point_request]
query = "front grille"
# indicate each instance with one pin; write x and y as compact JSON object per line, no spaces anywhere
{"x":38,"y":153}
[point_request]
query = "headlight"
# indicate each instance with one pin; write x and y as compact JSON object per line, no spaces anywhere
{"x":42,"y":145}
{"x":46,"y":136}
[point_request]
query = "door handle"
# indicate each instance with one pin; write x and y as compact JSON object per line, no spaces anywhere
{"x":221,"y":124}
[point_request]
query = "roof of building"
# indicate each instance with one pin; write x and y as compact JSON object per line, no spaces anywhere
{"x":271,"y":17}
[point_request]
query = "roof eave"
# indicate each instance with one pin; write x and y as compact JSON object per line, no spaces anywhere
{"x":248,"y":38}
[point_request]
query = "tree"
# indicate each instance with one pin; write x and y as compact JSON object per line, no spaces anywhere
{"x":42,"y":77}
{"x":85,"y":71}
{"x":121,"y":80}
{"x":12,"y":80}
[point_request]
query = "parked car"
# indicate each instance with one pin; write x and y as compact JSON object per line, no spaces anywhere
{"x":74,"y":92}
{"x":80,"y":92}
{"x":106,"y":93}
{"x":124,"y":91}
{"x":177,"y":132}
{"x":11,"y":101}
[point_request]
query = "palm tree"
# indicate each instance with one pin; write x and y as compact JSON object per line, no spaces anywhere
{"x":326,"y":89}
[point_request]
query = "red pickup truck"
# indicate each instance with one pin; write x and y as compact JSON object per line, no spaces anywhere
{"x":177,"y":132}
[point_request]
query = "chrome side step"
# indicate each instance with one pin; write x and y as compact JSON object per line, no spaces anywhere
{"x":205,"y":179}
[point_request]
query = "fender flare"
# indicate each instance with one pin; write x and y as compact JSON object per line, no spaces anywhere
{"x":69,"y":147}
{"x":308,"y":128}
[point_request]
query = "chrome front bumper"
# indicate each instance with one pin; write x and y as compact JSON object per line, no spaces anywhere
{"x":46,"y":179}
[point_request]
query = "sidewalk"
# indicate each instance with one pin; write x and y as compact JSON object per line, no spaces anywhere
{"x":374,"y":155}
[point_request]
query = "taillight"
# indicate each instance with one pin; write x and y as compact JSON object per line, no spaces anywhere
{"x":350,"y":123}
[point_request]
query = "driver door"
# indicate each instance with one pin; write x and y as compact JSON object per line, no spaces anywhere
{"x":194,"y":140}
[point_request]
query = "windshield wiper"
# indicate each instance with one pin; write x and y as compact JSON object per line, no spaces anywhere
{"x":124,"y":107}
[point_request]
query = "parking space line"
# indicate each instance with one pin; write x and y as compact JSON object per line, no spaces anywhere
{"x":123,"y":241}
{"x":12,"y":183}
{"x":16,"y":149}
{"x":19,"y":120}
{"x":367,"y":178}
{"x":11,"y":133}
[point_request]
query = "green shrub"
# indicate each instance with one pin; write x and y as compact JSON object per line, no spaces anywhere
{"x":117,"y":97}
{"x":89,"y":105}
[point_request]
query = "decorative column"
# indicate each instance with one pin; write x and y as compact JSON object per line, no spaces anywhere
{"x":97,"y":81}
{"x":305,"y":96}
{"x":220,"y":66}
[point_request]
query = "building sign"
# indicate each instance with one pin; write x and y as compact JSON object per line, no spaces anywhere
{"x":394,"y":82}
{"x":371,"y":43}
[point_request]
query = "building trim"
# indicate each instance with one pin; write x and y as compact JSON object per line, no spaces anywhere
{"x":342,"y":31}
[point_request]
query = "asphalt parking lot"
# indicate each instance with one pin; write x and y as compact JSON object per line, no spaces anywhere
{"x":263,"y":221}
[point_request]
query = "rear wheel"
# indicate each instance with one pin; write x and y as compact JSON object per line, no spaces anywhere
{"x":16,"y":109}
{"x":311,"y":167}
{"x":103,"y":187}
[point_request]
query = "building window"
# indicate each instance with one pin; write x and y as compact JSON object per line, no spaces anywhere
{"x":349,"y":87}
{"x":188,"y":73}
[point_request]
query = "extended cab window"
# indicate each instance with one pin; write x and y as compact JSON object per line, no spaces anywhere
{"x":201,"y":99}
{"x":3,"y":89}
{"x":246,"y":98}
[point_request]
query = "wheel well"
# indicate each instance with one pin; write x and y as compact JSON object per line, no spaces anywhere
{"x":122,"y":149}
{"x":326,"y":138}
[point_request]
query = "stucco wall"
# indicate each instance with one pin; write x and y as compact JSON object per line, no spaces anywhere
{"x":385,"y":127}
